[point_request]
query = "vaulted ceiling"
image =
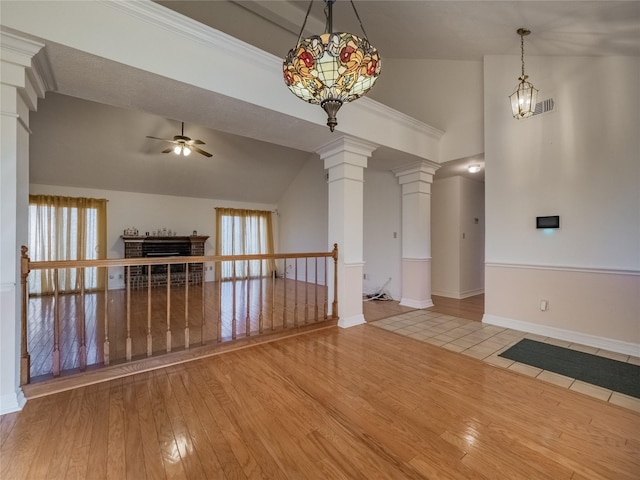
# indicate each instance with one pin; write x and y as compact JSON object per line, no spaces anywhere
{"x":111,"y":128}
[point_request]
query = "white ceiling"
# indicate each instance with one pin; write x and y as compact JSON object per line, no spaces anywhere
{"x":150,"y":105}
{"x":451,"y":30}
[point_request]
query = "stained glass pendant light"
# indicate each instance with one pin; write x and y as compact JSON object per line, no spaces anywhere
{"x":523,"y":100}
{"x":332,"y":68}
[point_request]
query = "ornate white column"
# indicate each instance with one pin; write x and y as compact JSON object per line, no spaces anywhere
{"x":345,"y":160}
{"x":416,"y":183}
{"x":21,"y":85}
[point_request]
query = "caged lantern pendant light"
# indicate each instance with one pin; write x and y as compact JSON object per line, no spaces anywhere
{"x":332,"y":68}
{"x":523,"y":100}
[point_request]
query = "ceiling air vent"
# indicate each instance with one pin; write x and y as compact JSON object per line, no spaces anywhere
{"x":545,"y":106}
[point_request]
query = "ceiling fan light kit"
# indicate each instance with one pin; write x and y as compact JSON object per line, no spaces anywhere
{"x":333,"y":68}
{"x":183,"y":145}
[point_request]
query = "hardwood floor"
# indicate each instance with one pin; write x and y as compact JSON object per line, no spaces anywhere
{"x":247,"y":308}
{"x":471,"y":308}
{"x":359,"y":403}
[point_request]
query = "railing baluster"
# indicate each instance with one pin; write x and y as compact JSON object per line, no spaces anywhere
{"x":218,"y":274}
{"x":25,"y":357}
{"x":315,"y":291}
{"x":128,"y":341}
{"x":306,"y":290}
{"x":260,"y":279}
{"x":284,"y":308}
{"x":149,"y":336}
{"x":273,"y":298}
{"x":56,"y":326}
{"x":168,"y":307}
{"x":105,"y":350}
{"x":326,"y":291}
{"x":295,"y":293}
{"x":247,"y":321}
{"x":186,"y":305}
{"x":233,"y":309}
{"x":203,"y":304}
{"x":82,"y":351}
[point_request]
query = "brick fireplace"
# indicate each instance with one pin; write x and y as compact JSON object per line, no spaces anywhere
{"x":145,"y":247}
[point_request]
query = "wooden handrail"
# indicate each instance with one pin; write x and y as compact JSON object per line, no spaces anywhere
{"x":146,"y":263}
{"x":126,"y":262}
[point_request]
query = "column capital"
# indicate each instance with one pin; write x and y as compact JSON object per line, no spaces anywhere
{"x":25,"y":68}
{"x":347,"y":144}
{"x":422,"y":171}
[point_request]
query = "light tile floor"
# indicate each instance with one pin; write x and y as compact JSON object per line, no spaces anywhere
{"x":486,"y":342}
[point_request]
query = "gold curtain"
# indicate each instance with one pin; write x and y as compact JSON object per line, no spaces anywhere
{"x":67,"y":228}
{"x":244,"y":232}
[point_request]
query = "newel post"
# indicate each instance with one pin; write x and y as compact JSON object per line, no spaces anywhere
{"x":334,"y":309}
{"x":25,"y":358}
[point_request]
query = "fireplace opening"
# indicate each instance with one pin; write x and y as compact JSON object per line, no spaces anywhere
{"x":175,"y":268}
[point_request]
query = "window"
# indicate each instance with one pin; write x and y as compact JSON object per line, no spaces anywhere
{"x":244,"y":232}
{"x":66,"y":228}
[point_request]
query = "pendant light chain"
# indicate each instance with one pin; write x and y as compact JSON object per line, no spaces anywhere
{"x":359,"y":21}
{"x":522,"y":53}
{"x":305,"y":22}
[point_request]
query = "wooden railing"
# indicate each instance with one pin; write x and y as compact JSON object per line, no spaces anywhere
{"x":74,"y":330}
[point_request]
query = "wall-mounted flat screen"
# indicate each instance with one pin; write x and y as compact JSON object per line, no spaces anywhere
{"x":548,"y":222}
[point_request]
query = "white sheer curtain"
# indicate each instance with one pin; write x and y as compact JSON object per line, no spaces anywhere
{"x":244,"y":232}
{"x":66,"y":228}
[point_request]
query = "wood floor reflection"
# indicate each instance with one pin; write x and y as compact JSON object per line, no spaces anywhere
{"x":356,"y":403}
{"x":248,"y":308}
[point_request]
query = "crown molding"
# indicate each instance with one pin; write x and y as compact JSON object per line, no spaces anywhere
{"x":376,"y":108}
{"x":159,"y":16}
{"x":174,"y":22}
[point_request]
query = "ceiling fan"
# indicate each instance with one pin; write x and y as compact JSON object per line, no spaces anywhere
{"x":183,"y":145}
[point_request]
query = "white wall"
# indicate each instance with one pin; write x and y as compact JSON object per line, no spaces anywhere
{"x":581,"y":162}
{"x":436,"y":92}
{"x":382,"y":250}
{"x":303,"y":222}
{"x":303,"y":217}
{"x":457,"y":240}
{"x":303,"y":210}
{"x":472,"y":239}
{"x":148,"y":212}
{"x":445,"y":237}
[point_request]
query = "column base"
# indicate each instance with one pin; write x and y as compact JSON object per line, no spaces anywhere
{"x":416,"y":283}
{"x":406,"y":302}
{"x":351,"y":321}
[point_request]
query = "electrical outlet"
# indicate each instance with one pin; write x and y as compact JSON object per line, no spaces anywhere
{"x":544,"y":305}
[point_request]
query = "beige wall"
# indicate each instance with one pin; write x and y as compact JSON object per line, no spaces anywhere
{"x":593,"y":307}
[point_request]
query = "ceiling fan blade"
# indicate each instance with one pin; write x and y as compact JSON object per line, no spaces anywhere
{"x":161,"y":139}
{"x":167,"y":150}
{"x":201,"y":152}
{"x":197,"y":142}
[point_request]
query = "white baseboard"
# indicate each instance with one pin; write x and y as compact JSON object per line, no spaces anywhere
{"x":458,"y":295}
{"x":351,"y":321}
{"x":619,"y":346}
{"x":405,"y":302}
{"x":10,"y":403}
